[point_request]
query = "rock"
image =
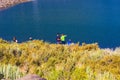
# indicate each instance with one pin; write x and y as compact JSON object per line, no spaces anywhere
{"x":31,"y":77}
{"x":8,"y":3}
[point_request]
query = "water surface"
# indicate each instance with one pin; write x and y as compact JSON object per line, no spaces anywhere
{"x":82,"y":21}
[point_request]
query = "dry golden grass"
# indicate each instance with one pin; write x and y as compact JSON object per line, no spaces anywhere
{"x":62,"y":62}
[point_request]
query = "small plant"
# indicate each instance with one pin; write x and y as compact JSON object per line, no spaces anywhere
{"x":10,"y":72}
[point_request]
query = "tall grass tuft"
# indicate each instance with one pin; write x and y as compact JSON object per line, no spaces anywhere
{"x":10,"y":72}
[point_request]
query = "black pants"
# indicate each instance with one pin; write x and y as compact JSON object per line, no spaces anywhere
{"x":63,"y":42}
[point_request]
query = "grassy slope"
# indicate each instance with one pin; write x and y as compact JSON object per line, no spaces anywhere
{"x":62,"y":62}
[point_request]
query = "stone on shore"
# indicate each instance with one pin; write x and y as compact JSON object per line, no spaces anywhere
{"x":31,"y":77}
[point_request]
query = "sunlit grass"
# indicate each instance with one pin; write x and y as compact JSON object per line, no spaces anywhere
{"x":61,"y":62}
{"x":10,"y":72}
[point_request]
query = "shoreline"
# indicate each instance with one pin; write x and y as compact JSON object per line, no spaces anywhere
{"x":8,"y":3}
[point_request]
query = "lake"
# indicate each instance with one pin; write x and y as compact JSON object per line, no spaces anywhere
{"x":81,"y":20}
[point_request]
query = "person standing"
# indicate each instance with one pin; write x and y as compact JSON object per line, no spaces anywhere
{"x":63,"y":39}
{"x":15,"y":40}
{"x":30,"y":39}
{"x":69,"y":42}
{"x":58,"y":40}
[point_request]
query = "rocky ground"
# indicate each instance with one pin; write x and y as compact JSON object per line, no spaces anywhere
{"x":31,"y":77}
{"x":8,"y":3}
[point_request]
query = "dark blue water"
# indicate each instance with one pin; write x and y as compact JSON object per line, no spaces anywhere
{"x":86,"y":21}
